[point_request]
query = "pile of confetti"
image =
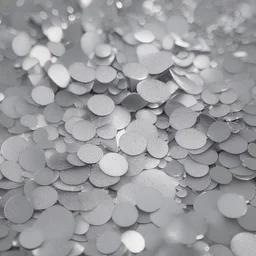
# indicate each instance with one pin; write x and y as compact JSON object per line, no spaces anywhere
{"x":127,"y":128}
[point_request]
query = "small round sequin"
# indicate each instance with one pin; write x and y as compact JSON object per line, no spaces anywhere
{"x":90,"y":153}
{"x":156,"y":179}
{"x":157,"y":63}
{"x":31,"y":159}
{"x":201,"y":61}
{"x":220,"y":250}
{"x":190,"y":138}
{"x":105,"y":74}
{"x":132,"y":143}
{"x":232,"y":205}
{"x":21,"y":44}
{"x":81,"y":73}
{"x":44,"y":176}
{"x":133,"y":240}
{"x":42,"y":95}
{"x":108,"y":242}
{"x":219,"y":131}
{"x":135,"y":71}
{"x":12,"y":147}
{"x":182,"y":118}
{"x":147,"y":129}
{"x":153,"y":91}
{"x":125,"y":214}
{"x":103,"y":50}
{"x":53,"y":113}
{"x":44,"y":197}
{"x":59,"y":75}
{"x":221,"y":175}
{"x":113,"y":164}
{"x":12,"y":171}
{"x":101,"y":105}
{"x":18,"y":209}
{"x":31,"y":238}
{"x":64,"y":223}
{"x":233,"y":64}
{"x":157,"y":147}
{"x":234,"y":145}
{"x":247,"y":221}
{"x":229,"y":96}
{"x":41,"y":53}
{"x":172,"y":27}
{"x":252,"y":149}
{"x":144,"y":36}
{"x":83,"y":130}
{"x":148,"y":199}
{"x":243,"y":244}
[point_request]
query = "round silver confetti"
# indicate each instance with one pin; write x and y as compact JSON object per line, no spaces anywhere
{"x":32,"y":159}
{"x":81,"y":73}
{"x":182,"y":118}
{"x":234,"y":145}
{"x":148,"y":199}
{"x":133,"y":240}
{"x":125,"y":214}
{"x":44,"y":197}
{"x":243,"y":244}
{"x":105,"y":74}
{"x":219,"y":131}
{"x":12,"y":147}
{"x":156,"y":179}
{"x":64,"y":223}
{"x":220,"y":250}
{"x":153,"y":91}
{"x":135,"y":71}
{"x":232,"y":205}
{"x":12,"y":171}
{"x":90,"y":153}
{"x":18,"y":209}
{"x":53,"y":113}
{"x":108,"y":242}
{"x":190,"y":138}
{"x":42,"y":95}
{"x":44,"y":176}
{"x":221,"y":175}
{"x":83,"y":130}
{"x":101,"y":105}
{"x":113,"y":164}
{"x":31,"y":238}
{"x":132,"y":143}
{"x":59,"y":75}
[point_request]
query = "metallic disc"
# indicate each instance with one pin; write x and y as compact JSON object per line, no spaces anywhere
{"x":44,"y":197}
{"x":219,"y":131}
{"x":42,"y":95}
{"x":153,"y":91}
{"x":221,"y":175}
{"x":101,"y":105}
{"x":232,"y":205}
{"x":23,"y":209}
{"x":182,"y":118}
{"x":113,"y":164}
{"x":190,"y":138}
{"x":108,"y":242}
{"x":243,"y":244}
{"x":90,"y":153}
{"x":133,"y":143}
{"x":125,"y":214}
{"x":83,"y":130}
{"x":31,"y":238}
{"x":133,"y":240}
{"x":148,"y":199}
